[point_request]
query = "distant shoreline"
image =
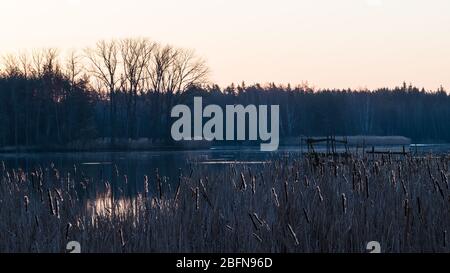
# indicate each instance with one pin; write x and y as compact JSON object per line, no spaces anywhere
{"x":143,"y":144}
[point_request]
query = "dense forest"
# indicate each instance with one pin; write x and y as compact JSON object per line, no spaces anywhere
{"x":126,"y":89}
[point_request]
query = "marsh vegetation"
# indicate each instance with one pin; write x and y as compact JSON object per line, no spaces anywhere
{"x":287,"y":204}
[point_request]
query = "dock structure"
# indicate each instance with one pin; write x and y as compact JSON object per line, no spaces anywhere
{"x":330,"y":142}
{"x":339,"y":146}
{"x":389,"y":152}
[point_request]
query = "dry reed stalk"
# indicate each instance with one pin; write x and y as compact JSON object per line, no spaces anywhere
{"x":419,"y":207}
{"x":359,"y":184}
{"x":345,"y":179}
{"x":146,"y":187}
{"x":50,"y":202}
{"x":441,"y":192}
{"x":177,"y":191}
{"x":122,"y":240}
{"x":59,"y":195}
{"x":320,"y":193}
{"x":159,"y":183}
{"x":254,"y":185}
{"x":257,"y":237}
{"x":406,"y":207}
{"x":41,"y":194}
{"x":26,"y":202}
{"x":367,"y":187}
{"x":335,"y":169}
{"x":262,"y":179}
{"x":286,"y":191}
{"x":261,"y":222}
{"x":306,"y":215}
{"x":444,"y":178}
{"x":57,"y":208}
{"x":344,"y":203}
{"x":405,"y":191}
{"x":393,"y":179}
{"x":253,"y":221}
{"x":243,"y":183}
{"x":377,"y":168}
{"x":294,"y":236}
{"x":197,"y":198}
{"x":68,"y":227}
{"x":33,"y":180}
{"x":275,"y":198}
{"x":204,"y":193}
{"x":229,"y":228}
{"x":68,"y":182}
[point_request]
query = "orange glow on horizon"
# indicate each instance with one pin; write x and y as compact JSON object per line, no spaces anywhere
{"x":328,"y":43}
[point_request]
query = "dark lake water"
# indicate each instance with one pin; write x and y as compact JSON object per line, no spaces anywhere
{"x":135,"y":165}
{"x":99,"y":166}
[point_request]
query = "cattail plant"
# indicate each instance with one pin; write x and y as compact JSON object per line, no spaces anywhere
{"x":406,"y":207}
{"x":367,"y":187}
{"x":204,"y":193}
{"x":146,"y":187}
{"x":444,"y":179}
{"x":419,"y":206}
{"x":405,"y":191}
{"x":381,"y":192}
{"x":122,"y":239}
{"x":319,"y":192}
{"x":344,"y":203}
{"x":305,"y":178}
{"x":286,"y":191}
{"x":254,"y":185}
{"x":305,"y":213}
{"x":50,"y":202}
{"x":159,"y":183}
{"x":68,"y":227}
{"x":294,"y":236}
{"x":257,"y":237}
{"x":261,"y":222}
{"x":57,"y":208}
{"x":243,"y":183}
{"x":26,"y":202}
{"x":275,"y":197}
{"x":197,"y":198}
{"x":253,"y":221}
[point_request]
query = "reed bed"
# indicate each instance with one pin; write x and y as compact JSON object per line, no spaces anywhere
{"x":290,"y":204}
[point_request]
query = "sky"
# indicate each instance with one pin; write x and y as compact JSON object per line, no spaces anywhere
{"x":327,"y":43}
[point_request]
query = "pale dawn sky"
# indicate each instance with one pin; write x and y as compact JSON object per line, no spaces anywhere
{"x":329,"y":43}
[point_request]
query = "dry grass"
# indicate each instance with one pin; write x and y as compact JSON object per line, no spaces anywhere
{"x":291,"y":204}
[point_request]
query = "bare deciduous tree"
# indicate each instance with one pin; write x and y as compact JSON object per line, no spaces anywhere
{"x":104,"y":63}
{"x":136,"y":57}
{"x":189,"y":70}
{"x":163,"y":58}
{"x":73,"y":66}
{"x":11,"y":65}
{"x":37,"y":67}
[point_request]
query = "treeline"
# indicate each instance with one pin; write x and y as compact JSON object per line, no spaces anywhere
{"x":126,"y":89}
